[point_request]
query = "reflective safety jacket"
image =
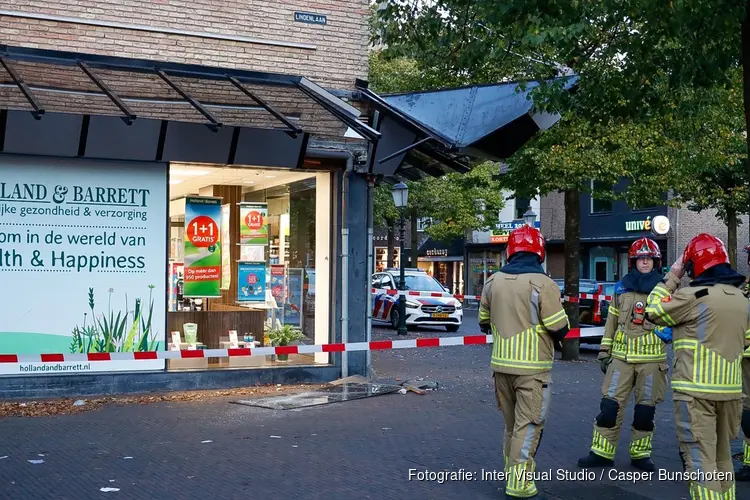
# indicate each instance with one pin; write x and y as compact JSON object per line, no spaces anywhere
{"x":523,"y":312}
{"x":711,"y":332}
{"x":628,"y":334}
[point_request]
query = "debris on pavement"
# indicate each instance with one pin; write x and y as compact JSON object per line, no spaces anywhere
{"x":108,"y":490}
{"x":206,"y":441}
{"x":402,"y":391}
{"x":69,"y":406}
{"x":35,"y":462}
{"x":3,"y":457}
{"x":127,"y":458}
{"x":419,"y":386}
{"x":275,"y":437}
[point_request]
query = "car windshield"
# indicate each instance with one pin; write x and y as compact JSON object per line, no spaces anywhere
{"x":422,"y":283}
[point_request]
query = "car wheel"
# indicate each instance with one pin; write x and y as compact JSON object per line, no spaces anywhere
{"x":394,"y":318}
{"x":452,"y":328}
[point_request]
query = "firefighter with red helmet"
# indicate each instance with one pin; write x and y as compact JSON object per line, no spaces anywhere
{"x":634,"y":359}
{"x":711,"y":333}
{"x":521,"y":307}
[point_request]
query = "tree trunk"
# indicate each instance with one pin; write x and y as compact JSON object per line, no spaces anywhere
{"x":570,"y":347}
{"x":746,"y":85}
{"x":391,"y":244}
{"x":414,"y":240}
{"x":732,"y":236}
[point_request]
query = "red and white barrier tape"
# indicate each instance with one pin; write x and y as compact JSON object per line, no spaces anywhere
{"x":378,"y":345}
{"x":411,"y":293}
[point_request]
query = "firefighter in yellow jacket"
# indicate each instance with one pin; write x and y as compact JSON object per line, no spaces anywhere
{"x":710,"y":322}
{"x":744,"y":473}
{"x":633,"y":359}
{"x":521,"y":306}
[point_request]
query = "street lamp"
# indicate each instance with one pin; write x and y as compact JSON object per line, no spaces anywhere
{"x":530,"y":217}
{"x":400,"y":199}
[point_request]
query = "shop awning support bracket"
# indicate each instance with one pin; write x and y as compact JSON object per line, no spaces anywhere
{"x":361,"y":128}
{"x":215,"y":124}
{"x":405,"y":150}
{"x":25,"y":90}
{"x":293,"y":131}
{"x":129,"y":117}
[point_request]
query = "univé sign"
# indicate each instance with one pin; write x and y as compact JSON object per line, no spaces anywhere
{"x":659,"y":225}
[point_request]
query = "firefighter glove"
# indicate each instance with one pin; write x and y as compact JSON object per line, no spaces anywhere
{"x":604,"y":363}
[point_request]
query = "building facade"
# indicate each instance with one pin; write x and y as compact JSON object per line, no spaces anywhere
{"x":202,"y":160}
{"x":608,"y":228}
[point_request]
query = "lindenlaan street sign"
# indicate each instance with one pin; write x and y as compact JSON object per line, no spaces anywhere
{"x":306,"y":17}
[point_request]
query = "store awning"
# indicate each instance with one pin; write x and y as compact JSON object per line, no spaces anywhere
{"x":436,"y":132}
{"x":435,"y":248}
{"x":82,"y":105}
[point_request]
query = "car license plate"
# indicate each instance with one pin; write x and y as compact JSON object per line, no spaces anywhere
{"x":441,"y":315}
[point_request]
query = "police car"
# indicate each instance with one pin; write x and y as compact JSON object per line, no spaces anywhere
{"x":420,"y":310}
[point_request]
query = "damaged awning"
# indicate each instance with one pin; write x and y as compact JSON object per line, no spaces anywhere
{"x":436,"y":132}
{"x":73,"y":104}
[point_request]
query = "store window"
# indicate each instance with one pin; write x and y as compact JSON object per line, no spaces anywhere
{"x":265,"y":279}
{"x":599,"y":206}
{"x":381,"y":258}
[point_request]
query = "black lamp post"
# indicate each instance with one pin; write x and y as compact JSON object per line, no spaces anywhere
{"x":401,"y":199}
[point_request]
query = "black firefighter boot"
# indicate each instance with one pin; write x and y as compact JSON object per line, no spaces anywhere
{"x":594,"y":460}
{"x":644,"y":464}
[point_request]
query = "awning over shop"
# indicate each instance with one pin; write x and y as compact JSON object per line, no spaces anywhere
{"x":438,"y":249}
{"x":436,"y":132}
{"x":82,"y":105}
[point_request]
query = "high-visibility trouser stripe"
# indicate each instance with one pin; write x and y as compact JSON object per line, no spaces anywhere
{"x":746,"y":456}
{"x":746,"y":354}
{"x":747,"y":335}
{"x":613,"y":310}
{"x":710,"y":368}
{"x":520,"y":480}
{"x":683,"y":385}
{"x":641,"y":448}
{"x":700,"y":492}
{"x":551,"y":320}
{"x":602,"y":447}
{"x":514,"y":363}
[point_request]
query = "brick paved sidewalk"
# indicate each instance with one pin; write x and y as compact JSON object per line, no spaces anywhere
{"x":361,"y":449}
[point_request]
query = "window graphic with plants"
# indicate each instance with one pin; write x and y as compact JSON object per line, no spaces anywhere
{"x":127,"y":330}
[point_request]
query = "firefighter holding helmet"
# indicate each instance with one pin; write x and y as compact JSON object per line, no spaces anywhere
{"x":521,"y":306}
{"x":634,"y":359}
{"x":711,"y":332}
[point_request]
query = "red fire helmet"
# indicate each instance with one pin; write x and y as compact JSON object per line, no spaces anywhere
{"x":645,"y":247}
{"x":526,"y":239}
{"x":704,"y":252}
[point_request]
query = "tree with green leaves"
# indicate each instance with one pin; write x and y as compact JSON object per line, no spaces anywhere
{"x":631,"y":57}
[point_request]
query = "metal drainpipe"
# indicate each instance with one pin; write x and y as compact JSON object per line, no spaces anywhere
{"x":342,"y":155}
{"x":370,"y":258}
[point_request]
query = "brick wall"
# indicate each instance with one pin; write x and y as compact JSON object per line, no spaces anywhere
{"x":335,"y":54}
{"x":685,"y":224}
